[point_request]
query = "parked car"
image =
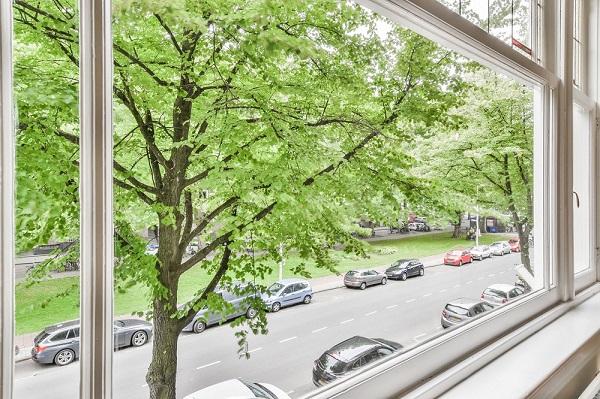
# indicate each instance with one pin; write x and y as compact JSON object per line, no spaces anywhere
{"x":192,"y":248}
{"x":239,"y":388}
{"x":481,"y":252}
{"x":463,"y":309}
{"x":498,"y":294}
{"x":500,"y":248}
{"x":514,"y":244}
{"x":287,"y":292}
{"x":59,"y":343}
{"x":151,"y":249}
{"x":349,"y":356}
{"x":363,"y":278}
{"x":403,"y":268}
{"x":239,"y":300}
{"x":458,"y":257}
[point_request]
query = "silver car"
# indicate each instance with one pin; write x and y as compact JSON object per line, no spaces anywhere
{"x":287,"y":292}
{"x":463,"y":309}
{"x":500,"y":248}
{"x":498,"y":294}
{"x":363,"y":278}
{"x":481,"y":252}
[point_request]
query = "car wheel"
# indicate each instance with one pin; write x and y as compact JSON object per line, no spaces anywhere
{"x":199,"y":326}
{"x":363,"y":286}
{"x":64,"y":357}
{"x":460,"y":262}
{"x":251,"y":313}
{"x":502,"y":253}
{"x":403,"y":276}
{"x":275,"y":307}
{"x":383,"y":281}
{"x":307,"y":299}
{"x":139,"y":338}
{"x":422,"y":271}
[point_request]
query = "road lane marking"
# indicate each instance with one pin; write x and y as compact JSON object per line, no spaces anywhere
{"x":456,"y":286}
{"x":419,"y":336}
{"x":480,"y":278}
{"x":501,"y":272}
{"x":292,"y":391}
{"x":347,"y":321}
{"x":287,"y":339}
{"x":392,"y":306}
{"x":369,"y":314}
{"x":491,"y":275}
{"x":320,"y":329}
{"x":439,"y":328}
{"x":469,"y":282}
{"x":208,"y":365}
{"x":254,"y":350}
{"x":410,"y":300}
{"x":511,"y":268}
{"x":145,"y":385}
{"x":426,"y":295}
{"x":443,"y":290}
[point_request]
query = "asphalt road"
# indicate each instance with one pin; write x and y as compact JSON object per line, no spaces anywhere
{"x":404,"y":311}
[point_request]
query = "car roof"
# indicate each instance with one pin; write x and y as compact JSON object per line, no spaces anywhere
{"x":361,"y":270}
{"x":287,"y":281}
{"x":502,"y":287}
{"x":353,"y":347}
{"x":464,"y":302}
{"x":61,"y":326}
{"x":226,"y":389}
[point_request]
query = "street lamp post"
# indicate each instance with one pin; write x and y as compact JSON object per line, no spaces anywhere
{"x":477,"y":228}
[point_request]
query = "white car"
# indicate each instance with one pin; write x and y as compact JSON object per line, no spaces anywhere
{"x":239,"y":388}
{"x":481,"y":252}
{"x":151,"y":249}
{"x":500,"y":248}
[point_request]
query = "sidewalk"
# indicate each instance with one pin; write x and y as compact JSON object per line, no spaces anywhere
{"x":320,"y":284}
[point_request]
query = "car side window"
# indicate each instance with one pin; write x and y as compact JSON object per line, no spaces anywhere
{"x":371,"y":357}
{"x":487,"y":306}
{"x":384,"y":352}
{"x":299,"y":286}
{"x":288,"y":290}
{"x":74,"y":333}
{"x":477,"y":309}
{"x":513,"y":293}
{"x":358,"y":363}
{"x":60,"y":336}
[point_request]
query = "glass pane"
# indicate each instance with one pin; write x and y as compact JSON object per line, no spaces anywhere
{"x":582,"y":217}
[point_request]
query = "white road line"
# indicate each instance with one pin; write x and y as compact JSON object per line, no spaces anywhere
{"x":480,"y":278}
{"x":491,"y":275}
{"x":320,"y":329}
{"x":443,"y":290}
{"x":346,"y":321}
{"x":456,"y":286}
{"x":254,"y":350}
{"x":369,"y":314}
{"x":427,"y":295}
{"x":511,"y":268}
{"x":500,"y":273}
{"x":410,"y":300}
{"x":419,"y":336}
{"x":292,"y":391}
{"x":207,"y":365}
{"x":287,"y":339}
{"x":145,"y":385}
{"x":392,"y":306}
{"x":439,"y":328}
{"x":469,"y":282}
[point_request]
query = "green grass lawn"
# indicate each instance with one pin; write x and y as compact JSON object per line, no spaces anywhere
{"x":57,"y":299}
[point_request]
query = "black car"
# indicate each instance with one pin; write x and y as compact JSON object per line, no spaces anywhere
{"x":404,"y":268}
{"x":350,"y":355}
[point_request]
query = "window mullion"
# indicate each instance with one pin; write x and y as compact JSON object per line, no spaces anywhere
{"x":96,"y":199}
{"x":7,"y":195}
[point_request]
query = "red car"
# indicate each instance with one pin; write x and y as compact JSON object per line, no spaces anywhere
{"x":514,"y":244}
{"x":457,"y":257}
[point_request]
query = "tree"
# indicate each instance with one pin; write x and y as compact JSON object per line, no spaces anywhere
{"x":489,"y":159}
{"x":235,"y":120}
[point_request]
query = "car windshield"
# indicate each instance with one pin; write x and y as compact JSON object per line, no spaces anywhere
{"x":275,"y":288}
{"x":479,"y":249}
{"x":41,"y":336}
{"x":400,"y":263}
{"x":513,"y":240}
{"x":352,"y":273}
{"x":331,"y":364}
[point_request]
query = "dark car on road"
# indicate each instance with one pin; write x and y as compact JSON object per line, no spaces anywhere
{"x":287,"y":292}
{"x":59,"y":343}
{"x":363,"y":278}
{"x":349,"y":356}
{"x":404,"y":268}
{"x":463,"y":309}
{"x":237,"y":295}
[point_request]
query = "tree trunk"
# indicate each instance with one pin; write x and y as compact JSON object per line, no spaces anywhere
{"x":161,"y":376}
{"x":456,"y":232}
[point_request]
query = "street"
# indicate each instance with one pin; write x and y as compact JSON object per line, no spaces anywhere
{"x":404,"y":311}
